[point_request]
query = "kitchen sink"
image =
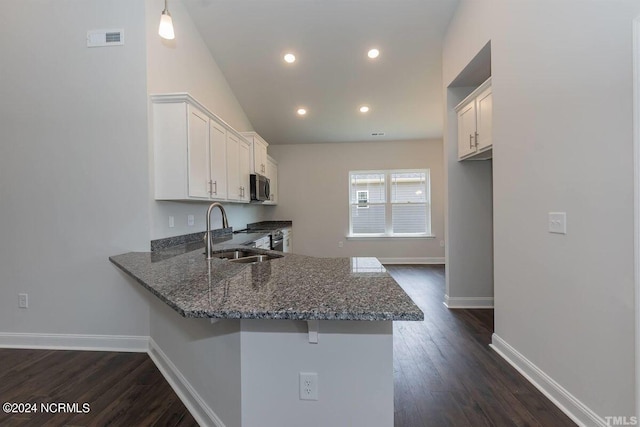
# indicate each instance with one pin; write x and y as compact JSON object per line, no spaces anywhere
{"x":255,"y":258}
{"x":245,"y":256}
{"x":232,"y":254}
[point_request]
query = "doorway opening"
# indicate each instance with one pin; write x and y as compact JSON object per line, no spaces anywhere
{"x":469,"y":204}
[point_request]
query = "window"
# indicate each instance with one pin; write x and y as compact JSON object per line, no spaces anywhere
{"x":389,"y":203}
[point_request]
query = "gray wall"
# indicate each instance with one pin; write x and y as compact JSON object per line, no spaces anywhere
{"x":73,"y":168}
{"x":562,"y":86}
{"x":314,"y":193}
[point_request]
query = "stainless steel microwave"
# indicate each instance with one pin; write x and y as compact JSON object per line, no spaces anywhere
{"x":259,"y":185}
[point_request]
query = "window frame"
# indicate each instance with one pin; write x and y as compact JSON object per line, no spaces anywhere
{"x":389,"y":203}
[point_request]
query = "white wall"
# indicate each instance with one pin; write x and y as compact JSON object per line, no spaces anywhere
{"x":208,"y":358}
{"x":313,"y":185}
{"x":562,"y":85}
{"x":186,"y":65}
{"x":73,"y":168}
{"x":353,"y":360}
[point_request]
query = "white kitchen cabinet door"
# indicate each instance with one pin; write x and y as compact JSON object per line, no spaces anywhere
{"x":467,"y":129}
{"x":244,"y":152}
{"x":218,"y":160}
{"x":260,"y":160}
{"x":258,"y":152}
{"x":198,"y":153}
{"x":234,"y":190}
{"x":238,"y":168}
{"x":484,"y":112}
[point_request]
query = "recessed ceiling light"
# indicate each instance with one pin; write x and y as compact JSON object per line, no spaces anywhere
{"x":364,"y":109}
{"x":373,"y":53}
{"x":290,"y":58}
{"x":302,"y":111}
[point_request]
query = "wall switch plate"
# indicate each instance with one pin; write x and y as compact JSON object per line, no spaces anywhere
{"x":190,"y":220}
{"x":558,"y":222}
{"x":23,"y":300}
{"x":308,"y":386}
{"x":172,"y":222}
{"x":340,"y":244}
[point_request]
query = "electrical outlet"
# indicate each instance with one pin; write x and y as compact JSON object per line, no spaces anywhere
{"x":23,"y":300}
{"x":558,"y":222}
{"x":340,"y":244}
{"x":172,"y":222}
{"x":190,"y":220}
{"x":308,"y":386}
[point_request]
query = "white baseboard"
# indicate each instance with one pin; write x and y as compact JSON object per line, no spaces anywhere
{"x":203,"y":414}
{"x":569,"y":404}
{"x":419,"y":260}
{"x":468,"y":302}
{"x":135,"y":344}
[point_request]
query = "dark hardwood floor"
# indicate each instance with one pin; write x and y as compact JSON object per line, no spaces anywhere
{"x":445,"y":375}
{"x":122,"y":389}
{"x":445,"y":372}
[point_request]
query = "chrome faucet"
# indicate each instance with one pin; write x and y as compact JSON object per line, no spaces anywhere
{"x":225,"y":224}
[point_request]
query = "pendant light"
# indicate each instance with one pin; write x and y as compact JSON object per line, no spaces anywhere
{"x":166,"y":24}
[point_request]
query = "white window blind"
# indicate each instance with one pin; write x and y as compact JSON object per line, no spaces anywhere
{"x":409,"y":194}
{"x":389,"y":203}
{"x":368,"y":197}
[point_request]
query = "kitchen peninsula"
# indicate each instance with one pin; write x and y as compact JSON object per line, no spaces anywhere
{"x":273,"y":321}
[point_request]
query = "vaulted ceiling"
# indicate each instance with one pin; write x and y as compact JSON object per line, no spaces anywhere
{"x":332,"y":75}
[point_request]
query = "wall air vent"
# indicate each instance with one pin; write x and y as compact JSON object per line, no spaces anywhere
{"x":377,"y":134}
{"x":102,"y":38}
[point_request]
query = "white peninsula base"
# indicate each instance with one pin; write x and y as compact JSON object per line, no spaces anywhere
{"x":245,"y":373}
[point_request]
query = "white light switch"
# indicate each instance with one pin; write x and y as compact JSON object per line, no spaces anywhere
{"x":172,"y":222}
{"x":558,"y":222}
{"x":190,"y":220}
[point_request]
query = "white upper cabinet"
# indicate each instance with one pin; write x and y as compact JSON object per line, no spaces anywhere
{"x":259,"y":152}
{"x":198,"y":153}
{"x":245,"y":169}
{"x":484,"y":112}
{"x":234,"y":188}
{"x":190,"y":147}
{"x":475,"y":132}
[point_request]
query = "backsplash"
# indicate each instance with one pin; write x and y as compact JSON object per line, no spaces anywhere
{"x":168,"y":242}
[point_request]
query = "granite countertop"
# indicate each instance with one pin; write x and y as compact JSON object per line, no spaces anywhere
{"x":295,"y":287}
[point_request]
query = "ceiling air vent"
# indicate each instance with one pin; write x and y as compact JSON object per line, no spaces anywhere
{"x":377,"y":134}
{"x":101,"y":38}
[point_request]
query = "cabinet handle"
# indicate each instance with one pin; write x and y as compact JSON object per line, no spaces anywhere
{"x":476,"y":138}
{"x":216,"y":184}
{"x":470,"y":141}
